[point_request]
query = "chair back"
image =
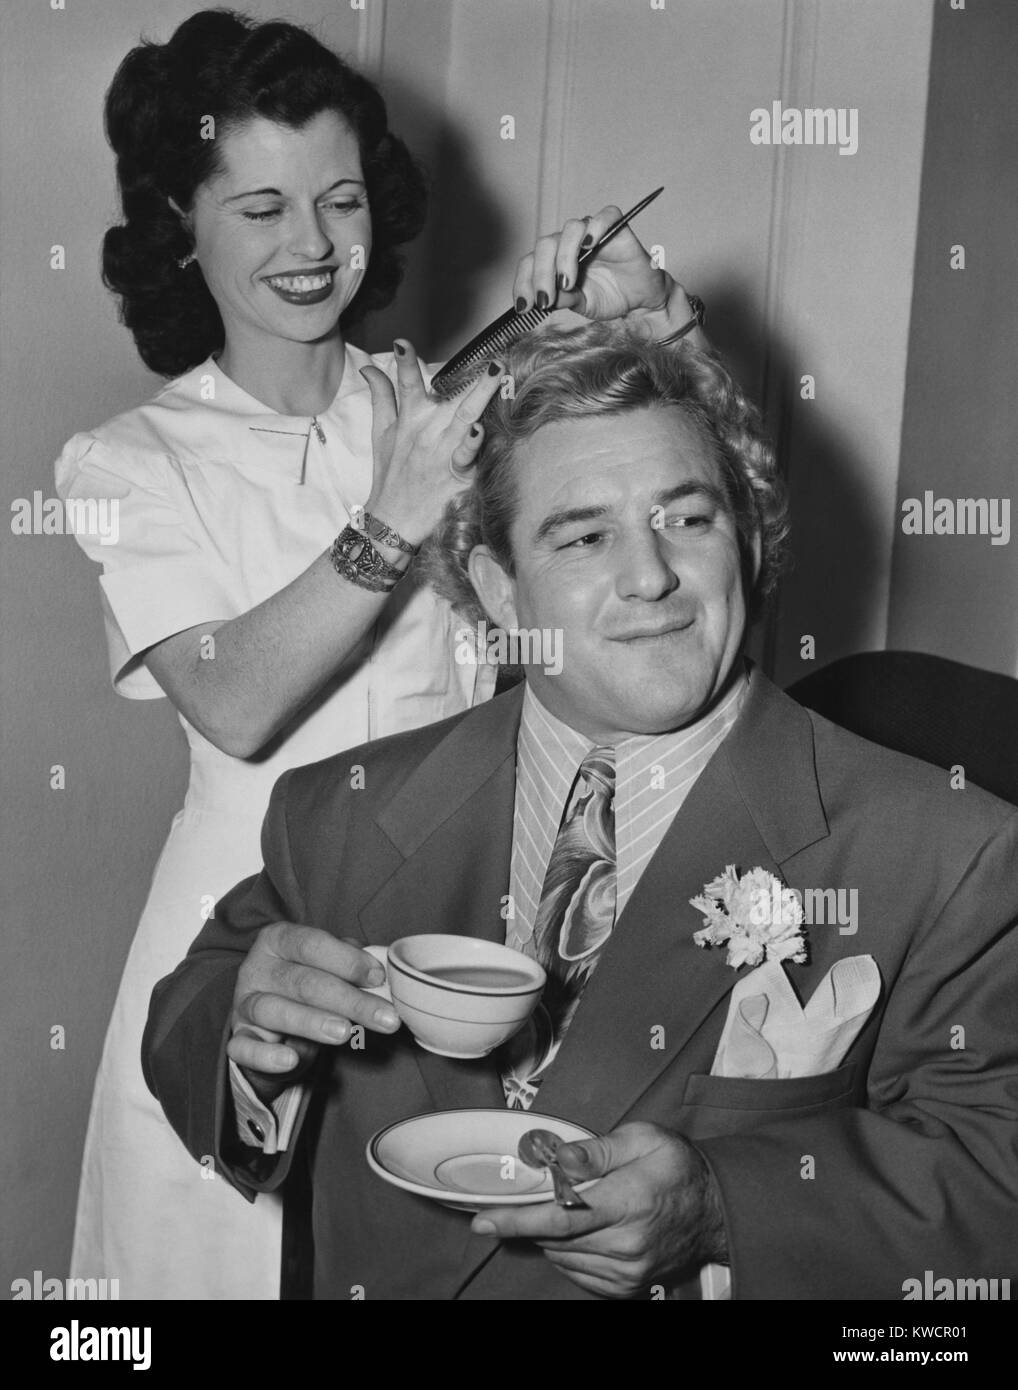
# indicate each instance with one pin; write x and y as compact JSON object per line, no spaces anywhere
{"x":938,"y":710}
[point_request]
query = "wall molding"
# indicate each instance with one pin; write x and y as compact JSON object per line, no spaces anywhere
{"x":559,"y":82}
{"x":800,"y":26}
{"x":371,"y":38}
{"x":796,"y":81}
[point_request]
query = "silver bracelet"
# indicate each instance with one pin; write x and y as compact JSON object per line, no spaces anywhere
{"x":355,"y":558}
{"x":699,"y":314}
{"x":386,"y":534}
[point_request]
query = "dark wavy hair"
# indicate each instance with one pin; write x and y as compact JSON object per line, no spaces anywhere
{"x":606,"y":369}
{"x":225,"y":65}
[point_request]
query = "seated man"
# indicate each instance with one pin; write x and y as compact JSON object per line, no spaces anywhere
{"x":626,"y":503}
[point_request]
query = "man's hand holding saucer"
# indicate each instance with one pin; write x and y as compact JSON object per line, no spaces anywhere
{"x":654,"y":1217}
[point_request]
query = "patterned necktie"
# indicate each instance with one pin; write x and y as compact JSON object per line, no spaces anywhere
{"x":575,"y":918}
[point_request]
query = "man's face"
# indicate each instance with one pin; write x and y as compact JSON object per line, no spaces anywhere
{"x":624,"y":541}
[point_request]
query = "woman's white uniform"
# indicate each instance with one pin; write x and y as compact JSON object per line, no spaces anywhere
{"x":218,"y":503}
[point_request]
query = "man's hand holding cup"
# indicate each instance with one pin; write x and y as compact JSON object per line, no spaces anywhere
{"x":300,"y":987}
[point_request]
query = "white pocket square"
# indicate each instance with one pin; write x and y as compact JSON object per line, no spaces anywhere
{"x":768,"y":1035}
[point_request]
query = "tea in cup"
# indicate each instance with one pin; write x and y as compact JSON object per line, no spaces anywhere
{"x":459,"y":996}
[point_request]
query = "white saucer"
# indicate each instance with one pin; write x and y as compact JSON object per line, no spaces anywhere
{"x":466,"y":1159}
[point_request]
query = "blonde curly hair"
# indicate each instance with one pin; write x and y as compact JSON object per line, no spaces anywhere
{"x":605,"y":369}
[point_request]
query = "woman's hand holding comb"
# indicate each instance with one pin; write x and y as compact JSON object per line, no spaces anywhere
{"x":423,"y":447}
{"x":619,"y":281}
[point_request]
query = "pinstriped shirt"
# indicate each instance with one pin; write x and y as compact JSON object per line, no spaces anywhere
{"x":653,"y":776}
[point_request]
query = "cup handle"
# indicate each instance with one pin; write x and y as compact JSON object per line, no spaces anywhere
{"x":381,"y":954}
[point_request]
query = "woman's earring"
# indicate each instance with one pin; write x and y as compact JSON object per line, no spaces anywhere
{"x":187,"y":260}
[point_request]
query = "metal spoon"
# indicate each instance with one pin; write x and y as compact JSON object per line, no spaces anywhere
{"x":537,"y":1149}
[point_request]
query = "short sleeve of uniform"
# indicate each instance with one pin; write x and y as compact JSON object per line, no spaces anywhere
{"x":160,"y":575}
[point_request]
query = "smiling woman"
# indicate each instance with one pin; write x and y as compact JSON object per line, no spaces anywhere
{"x":168,"y":115}
{"x":271,"y":252}
{"x":264,"y":201}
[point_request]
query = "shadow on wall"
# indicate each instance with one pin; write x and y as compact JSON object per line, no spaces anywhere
{"x":836,"y":547}
{"x":464,"y":237}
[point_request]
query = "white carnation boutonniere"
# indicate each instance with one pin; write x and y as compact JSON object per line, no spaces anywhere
{"x":755,"y":915}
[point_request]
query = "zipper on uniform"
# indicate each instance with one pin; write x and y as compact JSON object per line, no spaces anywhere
{"x":314,"y":425}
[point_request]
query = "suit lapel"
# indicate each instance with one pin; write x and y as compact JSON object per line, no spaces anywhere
{"x":650,"y":975}
{"x":654,"y":987}
{"x":452,"y":820}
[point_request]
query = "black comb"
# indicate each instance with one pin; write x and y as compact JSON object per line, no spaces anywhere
{"x":463,"y":369}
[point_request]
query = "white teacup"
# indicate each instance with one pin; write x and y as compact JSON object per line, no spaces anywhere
{"x":459,"y":996}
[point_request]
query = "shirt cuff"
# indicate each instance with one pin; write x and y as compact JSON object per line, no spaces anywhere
{"x":259,"y":1125}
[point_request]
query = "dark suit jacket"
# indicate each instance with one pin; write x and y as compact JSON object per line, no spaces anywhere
{"x":913,"y":1138}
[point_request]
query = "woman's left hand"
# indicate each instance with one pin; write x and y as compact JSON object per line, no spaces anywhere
{"x":619,"y":281}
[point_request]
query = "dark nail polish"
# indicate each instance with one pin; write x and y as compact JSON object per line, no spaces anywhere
{"x":563,"y":282}
{"x":521,"y":304}
{"x":494,"y":368}
{"x":541,"y":302}
{"x":587,"y":241}
{"x":400,"y":349}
